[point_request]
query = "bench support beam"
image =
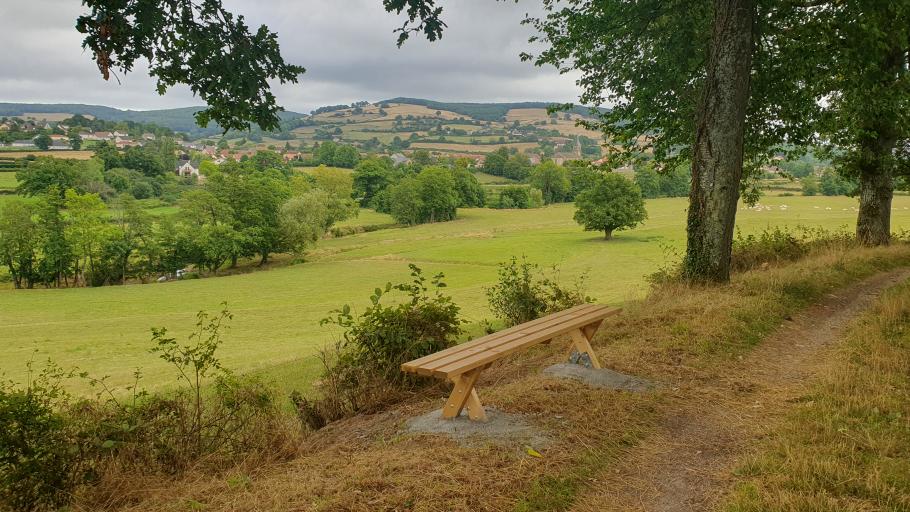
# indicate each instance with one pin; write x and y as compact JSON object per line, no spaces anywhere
{"x":581,"y":341}
{"x":463,"y":394}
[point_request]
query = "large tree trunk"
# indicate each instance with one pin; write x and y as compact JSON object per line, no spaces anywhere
{"x":875,"y":163}
{"x":717,"y":156}
{"x":873,"y":223}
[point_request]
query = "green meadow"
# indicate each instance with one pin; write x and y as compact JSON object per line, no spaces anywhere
{"x":8,"y":181}
{"x":276,"y":328}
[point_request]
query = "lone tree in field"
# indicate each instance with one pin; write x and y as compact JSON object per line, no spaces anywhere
{"x":612,"y":203}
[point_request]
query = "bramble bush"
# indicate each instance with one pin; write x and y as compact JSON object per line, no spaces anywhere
{"x":524,"y":293}
{"x":363,"y":371}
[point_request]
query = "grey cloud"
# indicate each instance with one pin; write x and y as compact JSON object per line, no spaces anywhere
{"x":347,"y":46}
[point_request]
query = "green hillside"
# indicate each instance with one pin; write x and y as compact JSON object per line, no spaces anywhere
{"x":177,"y":119}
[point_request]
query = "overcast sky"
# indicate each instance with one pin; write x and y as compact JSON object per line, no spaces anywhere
{"x":347,"y":47}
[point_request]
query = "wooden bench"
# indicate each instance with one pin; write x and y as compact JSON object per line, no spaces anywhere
{"x":462,"y":364}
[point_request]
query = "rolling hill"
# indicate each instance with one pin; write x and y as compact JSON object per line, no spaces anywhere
{"x":177,"y":119}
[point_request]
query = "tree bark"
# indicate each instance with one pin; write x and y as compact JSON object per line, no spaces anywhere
{"x":876,"y":189}
{"x":608,"y":234}
{"x":717,"y":156}
{"x":876,"y":163}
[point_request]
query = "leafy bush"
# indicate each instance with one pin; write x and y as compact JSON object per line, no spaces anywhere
{"x":520,"y":197}
{"x":524,"y":293}
{"x":40,"y":462}
{"x":782,"y":244}
{"x":364,"y":370}
{"x":51,"y":444}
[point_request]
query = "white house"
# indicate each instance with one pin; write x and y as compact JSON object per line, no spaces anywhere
{"x":399,"y":159}
{"x":187,"y":169}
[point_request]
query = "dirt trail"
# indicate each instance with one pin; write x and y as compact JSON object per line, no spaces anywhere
{"x":687,"y":464}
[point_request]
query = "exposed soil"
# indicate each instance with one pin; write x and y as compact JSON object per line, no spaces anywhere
{"x":687,"y":464}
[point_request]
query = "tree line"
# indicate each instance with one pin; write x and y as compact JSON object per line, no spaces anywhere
{"x":251,"y":209}
{"x":722,"y":84}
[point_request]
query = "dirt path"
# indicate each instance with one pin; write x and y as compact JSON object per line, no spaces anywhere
{"x":687,"y":464}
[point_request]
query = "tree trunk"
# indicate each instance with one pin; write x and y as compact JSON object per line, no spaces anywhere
{"x":717,"y":153}
{"x":875,"y":163}
{"x":608,"y":234}
{"x":876,"y":189}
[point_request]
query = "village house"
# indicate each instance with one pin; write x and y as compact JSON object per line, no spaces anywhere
{"x":24,"y":143}
{"x":185,"y":169}
{"x":400,"y":159}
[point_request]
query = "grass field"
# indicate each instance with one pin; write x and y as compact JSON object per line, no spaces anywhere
{"x":277,"y":312}
{"x":489,"y":179}
{"x":368,"y":218}
{"x":8,"y":181}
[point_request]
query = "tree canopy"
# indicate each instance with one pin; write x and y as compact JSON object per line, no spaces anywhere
{"x":612,"y":203}
{"x":201,"y":44}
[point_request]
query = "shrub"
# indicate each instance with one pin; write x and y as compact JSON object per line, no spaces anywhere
{"x":810,"y":185}
{"x":523,"y":293}
{"x":50,"y":444}
{"x":782,"y":244}
{"x":364,"y":369}
{"x":515,"y":196}
{"x":40,"y":464}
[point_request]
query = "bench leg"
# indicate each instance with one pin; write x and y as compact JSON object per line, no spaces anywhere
{"x":463,"y":394}
{"x":581,"y":341}
{"x":475,"y":408}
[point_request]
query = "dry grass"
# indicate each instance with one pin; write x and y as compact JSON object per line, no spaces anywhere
{"x":846,"y":446}
{"x":75,"y":155}
{"x":50,"y":116}
{"x":530,"y":115}
{"x":677,"y":336}
{"x":472,"y":148}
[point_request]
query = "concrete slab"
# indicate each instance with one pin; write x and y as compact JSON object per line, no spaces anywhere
{"x":500,"y":427}
{"x":599,"y":378}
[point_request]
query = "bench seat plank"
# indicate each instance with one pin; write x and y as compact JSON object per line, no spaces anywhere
{"x":413,"y":366}
{"x":536,"y":334}
{"x":467,"y":356}
{"x":501,"y":350}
